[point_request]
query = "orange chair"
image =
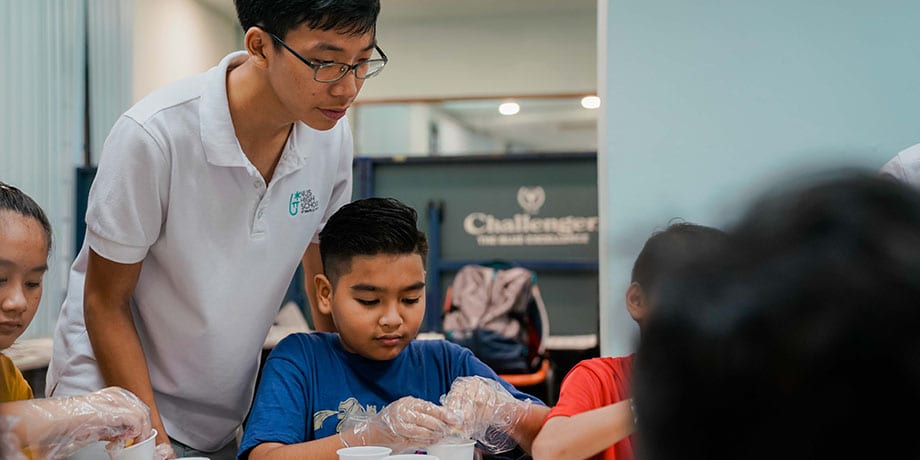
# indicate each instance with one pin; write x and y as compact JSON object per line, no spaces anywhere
{"x":543,"y":375}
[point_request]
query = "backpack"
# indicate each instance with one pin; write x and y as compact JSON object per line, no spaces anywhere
{"x":497,"y":312}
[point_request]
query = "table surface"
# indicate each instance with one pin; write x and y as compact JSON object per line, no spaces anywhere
{"x":32,"y":354}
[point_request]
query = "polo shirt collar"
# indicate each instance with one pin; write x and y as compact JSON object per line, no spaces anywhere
{"x":221,"y":147}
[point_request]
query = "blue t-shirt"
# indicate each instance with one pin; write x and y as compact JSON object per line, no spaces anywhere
{"x":310,"y":382}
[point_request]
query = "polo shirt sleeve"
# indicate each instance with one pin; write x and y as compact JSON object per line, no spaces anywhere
{"x":128,"y":199}
{"x":905,"y":166}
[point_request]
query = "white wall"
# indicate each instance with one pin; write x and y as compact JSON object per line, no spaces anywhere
{"x":710,"y":102}
{"x":174,"y":39}
{"x":454,"y":138}
{"x":497,"y":55}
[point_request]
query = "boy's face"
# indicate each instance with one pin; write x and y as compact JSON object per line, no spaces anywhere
{"x":378,"y":305}
{"x":23,"y":262}
{"x":319,"y":105}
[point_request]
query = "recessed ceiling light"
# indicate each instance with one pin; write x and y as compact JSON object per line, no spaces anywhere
{"x":509,"y":108}
{"x":590,"y":102}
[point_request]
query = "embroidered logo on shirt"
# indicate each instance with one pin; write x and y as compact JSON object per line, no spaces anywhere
{"x":302,"y":202}
{"x":348,"y":407}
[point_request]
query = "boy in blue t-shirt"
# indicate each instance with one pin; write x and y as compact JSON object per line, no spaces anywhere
{"x":372,"y":383}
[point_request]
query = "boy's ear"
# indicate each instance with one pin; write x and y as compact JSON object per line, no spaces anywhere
{"x":636,"y":303}
{"x":323,"y":294}
{"x":257,"y":42}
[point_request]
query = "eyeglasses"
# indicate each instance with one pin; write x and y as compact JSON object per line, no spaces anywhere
{"x":329,"y":72}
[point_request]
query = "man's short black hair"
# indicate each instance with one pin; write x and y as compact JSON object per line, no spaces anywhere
{"x":369,"y":227}
{"x":353,"y":17}
{"x":668,"y":249}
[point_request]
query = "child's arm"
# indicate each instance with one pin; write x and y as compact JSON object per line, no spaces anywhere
{"x":526,"y":430}
{"x":320,"y":449}
{"x":586,"y":434}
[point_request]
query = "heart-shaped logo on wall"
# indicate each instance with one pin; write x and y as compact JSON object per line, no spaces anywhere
{"x":531,"y":199}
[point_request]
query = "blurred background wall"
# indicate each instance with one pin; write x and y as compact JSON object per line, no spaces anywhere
{"x":710,"y":102}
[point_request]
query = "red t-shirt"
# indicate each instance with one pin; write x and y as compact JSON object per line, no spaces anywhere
{"x":595,"y":383}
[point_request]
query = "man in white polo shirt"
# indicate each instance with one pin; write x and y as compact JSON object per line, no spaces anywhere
{"x":208,"y":194}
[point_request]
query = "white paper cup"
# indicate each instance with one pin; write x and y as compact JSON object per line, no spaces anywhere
{"x":363,"y":453}
{"x":144,"y":450}
{"x":453,"y":451}
{"x":94,"y":451}
{"x":411,"y":457}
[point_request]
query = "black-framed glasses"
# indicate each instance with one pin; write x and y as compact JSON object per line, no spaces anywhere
{"x":329,"y":72}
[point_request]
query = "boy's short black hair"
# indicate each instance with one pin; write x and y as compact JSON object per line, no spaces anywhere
{"x":668,"y":249}
{"x":799,"y":340}
{"x":369,"y":227}
{"x":353,"y":17}
{"x":13,"y":199}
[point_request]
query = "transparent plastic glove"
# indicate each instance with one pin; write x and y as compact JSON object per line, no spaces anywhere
{"x":404,"y":424}
{"x":9,"y":443}
{"x":488,"y":413}
{"x":165,"y":451}
{"x":58,"y":427}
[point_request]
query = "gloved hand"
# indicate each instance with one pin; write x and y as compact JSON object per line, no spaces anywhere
{"x":165,"y":451}
{"x":487,"y":411}
{"x":58,"y":427}
{"x":402,"y":425}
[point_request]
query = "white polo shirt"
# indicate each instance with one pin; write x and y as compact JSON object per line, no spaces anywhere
{"x":219,"y":247}
{"x":905,"y":166}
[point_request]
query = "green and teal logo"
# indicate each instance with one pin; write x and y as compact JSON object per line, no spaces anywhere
{"x":302,"y":202}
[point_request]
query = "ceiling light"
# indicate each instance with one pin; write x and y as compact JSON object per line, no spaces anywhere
{"x":509,"y":108}
{"x":590,"y":102}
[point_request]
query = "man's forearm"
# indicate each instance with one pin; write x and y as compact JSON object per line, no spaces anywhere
{"x":120,"y":356}
{"x":107,"y":313}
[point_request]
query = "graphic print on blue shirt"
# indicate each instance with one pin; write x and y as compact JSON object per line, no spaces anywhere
{"x":348,"y":408}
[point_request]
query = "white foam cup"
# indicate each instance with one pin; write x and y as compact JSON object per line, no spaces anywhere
{"x":363,"y":453}
{"x":144,"y":450}
{"x":453,"y":451}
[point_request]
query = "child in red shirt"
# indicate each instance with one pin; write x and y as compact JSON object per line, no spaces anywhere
{"x":594,"y":417}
